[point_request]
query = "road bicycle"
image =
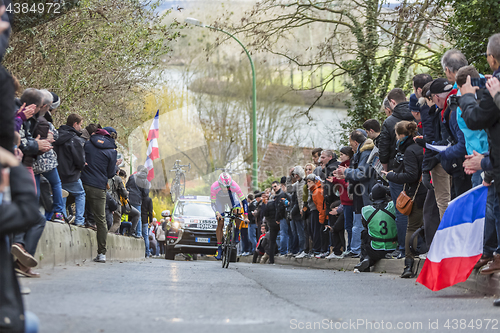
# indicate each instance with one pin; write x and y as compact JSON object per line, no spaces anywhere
{"x":229,"y":242}
{"x":178,"y":185}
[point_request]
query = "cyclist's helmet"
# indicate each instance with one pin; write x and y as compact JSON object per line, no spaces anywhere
{"x":225,"y":180}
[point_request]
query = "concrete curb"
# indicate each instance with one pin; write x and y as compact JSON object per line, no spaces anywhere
{"x":487,"y":284}
{"x":61,"y":244}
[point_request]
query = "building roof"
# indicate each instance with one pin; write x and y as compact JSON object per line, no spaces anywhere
{"x":278,"y":159}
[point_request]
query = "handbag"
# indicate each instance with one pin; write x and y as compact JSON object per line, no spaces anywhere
{"x":404,"y":203}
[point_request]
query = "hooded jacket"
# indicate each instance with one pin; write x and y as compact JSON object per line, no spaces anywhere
{"x":100,"y":155}
{"x":70,"y":154}
{"x":138,"y":187}
{"x":328,"y":188}
{"x":387,"y":138}
{"x":318,"y":199}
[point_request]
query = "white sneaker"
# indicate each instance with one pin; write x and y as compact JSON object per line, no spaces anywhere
{"x":301,"y":255}
{"x":334,"y":256}
{"x":423,"y":256}
{"x":100,"y":258}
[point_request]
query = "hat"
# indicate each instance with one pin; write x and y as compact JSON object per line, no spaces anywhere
{"x":258,"y":195}
{"x":283,"y":180}
{"x":378,"y":193}
{"x":56,"y":101}
{"x":299,"y":170}
{"x":109,"y":129}
{"x":362,"y":131}
{"x":439,"y":86}
{"x":414,"y":103}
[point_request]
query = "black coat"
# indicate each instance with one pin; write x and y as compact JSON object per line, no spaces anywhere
{"x":387,"y":138}
{"x":70,"y":154}
{"x":100,"y":155}
{"x":147,"y":211}
{"x":484,"y":115}
{"x":17,"y":216}
{"x":251,"y":208}
{"x":410,"y":170}
{"x":28,"y":146}
{"x":138,"y":187}
{"x":279,"y":204}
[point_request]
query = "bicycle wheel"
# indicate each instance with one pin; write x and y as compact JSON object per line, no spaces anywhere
{"x":234,"y":252}
{"x":226,"y":249}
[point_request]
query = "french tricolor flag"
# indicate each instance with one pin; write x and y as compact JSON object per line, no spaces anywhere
{"x":153,"y":152}
{"x":458,"y":242}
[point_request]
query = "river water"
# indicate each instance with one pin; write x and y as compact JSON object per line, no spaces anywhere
{"x":323,"y":129}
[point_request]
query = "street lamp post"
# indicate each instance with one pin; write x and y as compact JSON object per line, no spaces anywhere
{"x":254,"y":97}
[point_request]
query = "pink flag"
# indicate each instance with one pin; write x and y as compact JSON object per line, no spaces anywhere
{"x":153,"y":152}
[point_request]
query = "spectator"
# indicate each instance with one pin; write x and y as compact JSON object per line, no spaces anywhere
{"x":337,"y":230}
{"x":269,"y":215}
{"x":15,"y":216}
{"x":138,"y":190}
{"x":252,"y":218}
{"x":387,"y":107}
{"x":439,"y":173}
{"x":415,"y":112}
{"x":419,"y":81}
{"x":361,"y":178}
{"x":317,"y":215}
{"x":147,"y":220}
{"x":372,"y":127}
{"x":474,"y":140}
{"x":409,"y":173}
{"x":316,"y":154}
{"x":380,"y":234}
{"x":89,"y":130}
{"x":160,"y":237}
{"x":100,"y":155}
{"x":346,"y":154}
{"x":262,"y":247}
{"x":71,"y":161}
{"x":7,"y":89}
{"x":295,"y":186}
{"x":280,"y":216}
{"x":387,"y":152}
{"x":309,"y":168}
{"x":486,"y":115}
{"x":451,"y":61}
{"x":111,"y":206}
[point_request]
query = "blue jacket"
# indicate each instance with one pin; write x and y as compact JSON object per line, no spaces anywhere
{"x":100,"y":155}
{"x":474,"y":140}
{"x":361,"y":176}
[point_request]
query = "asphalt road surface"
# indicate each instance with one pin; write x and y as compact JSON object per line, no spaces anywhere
{"x":157,"y":295}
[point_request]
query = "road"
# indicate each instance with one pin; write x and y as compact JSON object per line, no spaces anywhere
{"x":157,"y":295}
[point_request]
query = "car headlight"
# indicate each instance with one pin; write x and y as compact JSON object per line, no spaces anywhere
{"x":176,"y":225}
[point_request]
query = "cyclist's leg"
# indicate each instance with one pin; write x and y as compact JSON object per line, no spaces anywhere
{"x":219,"y":233}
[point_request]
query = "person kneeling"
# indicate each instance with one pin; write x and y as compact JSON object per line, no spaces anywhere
{"x":380,"y":234}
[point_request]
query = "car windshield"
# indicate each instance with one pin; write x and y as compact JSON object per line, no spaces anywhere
{"x":199,"y":209}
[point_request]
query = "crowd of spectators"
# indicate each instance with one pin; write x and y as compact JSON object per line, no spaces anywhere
{"x":432,"y":147}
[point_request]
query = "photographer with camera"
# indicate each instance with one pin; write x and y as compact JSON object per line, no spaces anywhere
{"x":486,"y":115}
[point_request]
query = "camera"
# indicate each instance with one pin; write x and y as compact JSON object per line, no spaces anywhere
{"x":479,"y":82}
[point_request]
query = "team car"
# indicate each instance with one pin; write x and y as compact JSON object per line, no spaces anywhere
{"x":191,"y":229}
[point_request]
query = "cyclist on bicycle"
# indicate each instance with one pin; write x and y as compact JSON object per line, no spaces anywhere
{"x":226,"y":192}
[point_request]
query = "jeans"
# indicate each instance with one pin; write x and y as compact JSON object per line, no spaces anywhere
{"x":31,"y":322}
{"x":348,"y":222}
{"x":476,"y":178}
{"x":245,"y":244}
{"x":138,"y":230}
{"x":284,"y":236}
{"x":55,"y":183}
{"x":356,"y":234}
{"x":29,"y":238}
{"x":297,"y":226}
{"x":492,"y":223}
{"x":401,"y":219}
{"x":76,"y":190}
{"x":145,"y":235}
{"x":252,"y":235}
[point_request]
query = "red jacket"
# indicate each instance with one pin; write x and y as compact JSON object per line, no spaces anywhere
{"x":344,"y":194}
